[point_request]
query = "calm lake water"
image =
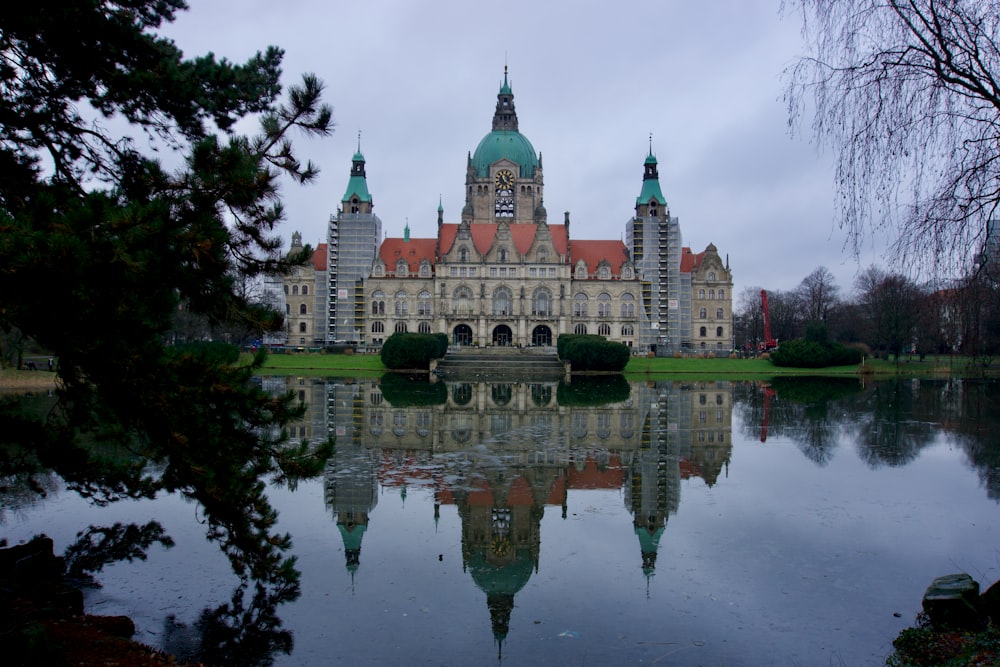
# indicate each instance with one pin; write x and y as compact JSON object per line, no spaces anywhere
{"x":674,"y":523}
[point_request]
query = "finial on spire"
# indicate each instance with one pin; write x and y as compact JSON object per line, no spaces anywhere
{"x":650,"y":143}
{"x":359,"y":141}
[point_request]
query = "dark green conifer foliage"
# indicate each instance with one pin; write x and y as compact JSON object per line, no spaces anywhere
{"x":100,"y":244}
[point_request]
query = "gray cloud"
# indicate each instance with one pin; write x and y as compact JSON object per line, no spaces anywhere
{"x":591,"y":80}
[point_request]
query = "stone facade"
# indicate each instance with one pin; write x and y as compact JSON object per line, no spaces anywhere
{"x":505,"y":276}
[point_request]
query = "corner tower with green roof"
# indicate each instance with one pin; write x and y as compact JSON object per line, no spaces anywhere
{"x":504,"y":175}
{"x":353,"y":238}
{"x":653,"y":238}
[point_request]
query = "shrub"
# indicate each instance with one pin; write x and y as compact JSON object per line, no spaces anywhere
{"x":801,"y":353}
{"x":412,"y":350}
{"x":587,"y":352}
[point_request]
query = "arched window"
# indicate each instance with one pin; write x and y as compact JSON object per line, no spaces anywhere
{"x":424,"y":327}
{"x":718,"y":313}
{"x":503,"y":301}
{"x":627,"y":330}
{"x":722,"y":294}
{"x":604,"y":329}
{"x":703,"y":313}
{"x":627,"y":273}
{"x":580,"y":329}
{"x":580,"y":305}
{"x":400,"y":327}
{"x":711,"y":294}
{"x":604,"y":272}
{"x":463,"y":254}
{"x":305,"y":290}
{"x":702,"y":332}
{"x":286,"y":289}
{"x":628,"y":305}
{"x":295,"y":289}
{"x":541,"y":303}
{"x":701,"y":294}
{"x":463,"y":301}
{"x":424,"y":304}
{"x":402,"y":305}
{"x":302,"y":309}
{"x":718,"y":332}
{"x":302,"y":327}
{"x":401,"y":269}
{"x":604,"y":305}
{"x":378,"y":327}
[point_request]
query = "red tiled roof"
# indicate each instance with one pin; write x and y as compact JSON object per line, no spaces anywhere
{"x":592,"y":252}
{"x":592,"y":477}
{"x":522,"y":235}
{"x":319,"y":257}
{"x":413,"y":251}
{"x":689,"y":260}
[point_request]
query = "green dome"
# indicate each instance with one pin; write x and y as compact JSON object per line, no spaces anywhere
{"x":500,"y":144}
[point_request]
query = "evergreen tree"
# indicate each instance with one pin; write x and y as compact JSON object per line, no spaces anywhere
{"x":100,"y":242}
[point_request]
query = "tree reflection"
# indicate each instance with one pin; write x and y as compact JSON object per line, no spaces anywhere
{"x":895,"y":427}
{"x":102,"y":545}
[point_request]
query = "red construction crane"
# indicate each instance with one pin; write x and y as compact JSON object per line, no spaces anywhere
{"x":769,"y":343}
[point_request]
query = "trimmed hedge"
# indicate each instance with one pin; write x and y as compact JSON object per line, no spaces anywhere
{"x":801,"y":353}
{"x":589,"y":352}
{"x":413,"y":350}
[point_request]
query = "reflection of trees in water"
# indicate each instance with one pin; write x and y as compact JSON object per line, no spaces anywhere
{"x":890,"y":422}
{"x":976,"y":432}
{"x":812,"y":421}
{"x":895,"y":426}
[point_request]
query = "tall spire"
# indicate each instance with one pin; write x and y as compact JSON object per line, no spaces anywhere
{"x":505,"y":118}
{"x":356,"y":198}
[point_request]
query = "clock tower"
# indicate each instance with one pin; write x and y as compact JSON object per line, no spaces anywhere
{"x":504,"y":175}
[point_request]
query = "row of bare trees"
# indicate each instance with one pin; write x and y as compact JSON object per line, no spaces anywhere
{"x":887,"y":312}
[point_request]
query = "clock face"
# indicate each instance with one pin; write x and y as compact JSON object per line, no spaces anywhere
{"x":504,"y":180}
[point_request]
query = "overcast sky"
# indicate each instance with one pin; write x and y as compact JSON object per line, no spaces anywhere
{"x":591,"y":81}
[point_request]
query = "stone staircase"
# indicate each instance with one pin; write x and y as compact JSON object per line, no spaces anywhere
{"x":500,"y":362}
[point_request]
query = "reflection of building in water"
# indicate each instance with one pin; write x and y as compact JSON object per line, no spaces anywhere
{"x":501,"y":452}
{"x":313,"y":394}
{"x":711,"y":431}
{"x":351,"y":477}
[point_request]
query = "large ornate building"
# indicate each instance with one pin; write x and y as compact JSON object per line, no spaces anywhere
{"x":504,"y":275}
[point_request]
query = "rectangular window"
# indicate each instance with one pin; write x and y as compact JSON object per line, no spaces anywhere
{"x":472,"y":271}
{"x":532,"y":272}
{"x":463,"y":272}
{"x":453,"y":272}
{"x":493,"y":272}
{"x":503,"y":272}
{"x":552,"y":272}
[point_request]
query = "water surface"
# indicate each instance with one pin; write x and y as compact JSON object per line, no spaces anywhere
{"x":680,"y":523}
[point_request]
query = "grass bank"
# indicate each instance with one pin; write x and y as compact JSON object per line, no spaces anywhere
{"x":20,"y":381}
{"x":308,"y":364}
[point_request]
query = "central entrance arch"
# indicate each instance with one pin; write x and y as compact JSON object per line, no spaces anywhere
{"x":462,"y":335}
{"x":541,"y":335}
{"x":502,"y":335}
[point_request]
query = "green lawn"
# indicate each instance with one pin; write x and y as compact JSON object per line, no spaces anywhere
{"x":371,"y":365}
